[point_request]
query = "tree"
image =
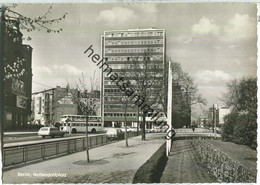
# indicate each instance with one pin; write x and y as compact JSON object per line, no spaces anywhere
{"x":41,"y":22}
{"x":125,"y":102}
{"x":146,"y":75}
{"x":85,"y":107}
{"x":185,"y":93}
{"x":241,"y":95}
{"x":13,"y":23}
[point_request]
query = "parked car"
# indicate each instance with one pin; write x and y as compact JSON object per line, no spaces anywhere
{"x":123,"y":129}
{"x":218,"y":130}
{"x":129,"y":129}
{"x":50,"y":131}
{"x":114,"y":133}
{"x":156,"y":129}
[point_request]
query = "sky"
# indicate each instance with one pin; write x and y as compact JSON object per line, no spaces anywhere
{"x":214,"y":42}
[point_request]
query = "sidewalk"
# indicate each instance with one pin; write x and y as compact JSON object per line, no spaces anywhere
{"x":112,"y":163}
{"x":183,"y":166}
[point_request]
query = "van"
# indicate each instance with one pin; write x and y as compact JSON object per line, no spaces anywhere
{"x":50,"y":131}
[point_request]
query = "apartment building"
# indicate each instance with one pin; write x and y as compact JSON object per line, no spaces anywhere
{"x":18,"y":78}
{"x":49,"y":105}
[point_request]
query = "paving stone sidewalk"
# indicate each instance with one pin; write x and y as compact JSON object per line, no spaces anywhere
{"x":184,"y":167}
{"x":112,"y":163}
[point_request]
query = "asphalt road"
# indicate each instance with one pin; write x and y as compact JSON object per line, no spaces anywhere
{"x":34,"y":137}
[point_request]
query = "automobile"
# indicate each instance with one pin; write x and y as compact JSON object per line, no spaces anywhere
{"x":123,"y":129}
{"x":50,"y":131}
{"x":218,"y":130}
{"x":129,"y":129}
{"x":155,"y":129}
{"x":114,"y":133}
{"x":133,"y":129}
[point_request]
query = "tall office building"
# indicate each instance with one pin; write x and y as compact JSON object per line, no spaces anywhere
{"x":119,"y":47}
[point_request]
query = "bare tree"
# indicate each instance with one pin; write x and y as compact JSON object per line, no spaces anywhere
{"x":185,"y":92}
{"x":242,"y":95}
{"x":85,"y":107}
{"x":145,"y":73}
{"x":126,"y":104}
{"x":41,"y":22}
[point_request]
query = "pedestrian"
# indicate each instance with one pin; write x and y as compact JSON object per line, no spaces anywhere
{"x":193,"y":128}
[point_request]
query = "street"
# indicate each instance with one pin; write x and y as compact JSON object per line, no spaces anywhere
{"x":34,"y":137}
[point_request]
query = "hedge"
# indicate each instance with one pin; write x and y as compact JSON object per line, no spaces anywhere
{"x":219,"y":164}
{"x":151,"y":171}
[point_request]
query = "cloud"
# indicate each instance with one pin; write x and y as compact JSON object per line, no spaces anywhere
{"x":233,"y":46}
{"x":205,"y":27}
{"x":43,"y":69}
{"x":183,"y":39}
{"x":148,"y":8}
{"x":116,"y":15}
{"x":240,"y":27}
{"x":217,"y":47}
{"x":64,"y":70}
{"x":208,"y":77}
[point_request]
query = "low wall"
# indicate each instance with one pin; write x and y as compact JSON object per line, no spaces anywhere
{"x":222,"y":166}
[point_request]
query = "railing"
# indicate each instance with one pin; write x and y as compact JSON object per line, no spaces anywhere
{"x":189,"y":130}
{"x":15,"y":155}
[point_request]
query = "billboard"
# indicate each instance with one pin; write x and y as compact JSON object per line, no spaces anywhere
{"x":21,"y":101}
{"x":18,"y":86}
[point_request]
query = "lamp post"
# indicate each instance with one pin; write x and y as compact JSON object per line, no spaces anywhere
{"x":87,"y":152}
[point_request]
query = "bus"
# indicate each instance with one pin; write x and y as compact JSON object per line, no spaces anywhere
{"x":77,"y":123}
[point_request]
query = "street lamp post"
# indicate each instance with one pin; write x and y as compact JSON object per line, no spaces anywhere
{"x":214,"y":120}
{"x":87,"y":152}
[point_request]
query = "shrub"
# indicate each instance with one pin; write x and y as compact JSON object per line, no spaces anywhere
{"x":240,"y":128}
{"x":151,"y":170}
{"x":221,"y":165}
{"x":228,"y":127}
{"x":245,"y":130}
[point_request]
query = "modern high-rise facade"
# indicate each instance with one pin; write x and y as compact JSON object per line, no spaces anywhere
{"x":119,"y":47}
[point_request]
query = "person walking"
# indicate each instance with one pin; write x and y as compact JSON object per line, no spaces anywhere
{"x":193,"y":128}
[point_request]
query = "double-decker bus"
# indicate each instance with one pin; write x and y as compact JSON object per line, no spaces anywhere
{"x":77,"y":123}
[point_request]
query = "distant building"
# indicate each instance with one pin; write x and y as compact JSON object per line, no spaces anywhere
{"x":49,"y":105}
{"x":92,"y":99}
{"x":218,"y":113}
{"x":119,"y":47}
{"x":222,"y":112}
{"x":18,"y":78}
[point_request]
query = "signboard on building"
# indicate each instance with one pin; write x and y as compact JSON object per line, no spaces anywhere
{"x":20,"y":101}
{"x":18,"y":87}
{"x":66,"y":100}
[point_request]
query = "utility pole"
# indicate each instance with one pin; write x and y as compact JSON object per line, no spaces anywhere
{"x":87,"y":149}
{"x":214,"y":109}
{"x":213,"y":116}
{"x":2,"y":75}
{"x":137,"y":120}
{"x":215,"y":121}
{"x":169,"y":112}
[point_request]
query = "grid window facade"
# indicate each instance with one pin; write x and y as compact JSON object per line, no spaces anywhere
{"x":119,"y":48}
